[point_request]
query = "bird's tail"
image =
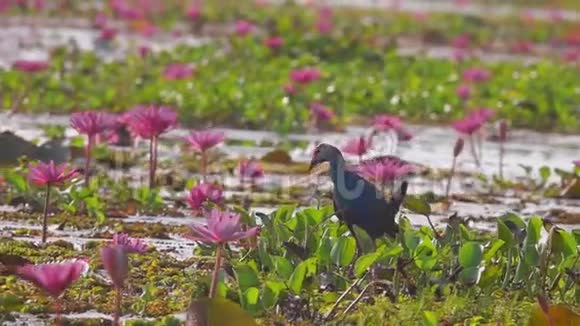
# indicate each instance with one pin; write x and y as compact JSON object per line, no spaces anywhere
{"x":399,"y":197}
{"x":390,"y":227}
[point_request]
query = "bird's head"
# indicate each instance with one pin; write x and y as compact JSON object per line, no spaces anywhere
{"x":325,"y":153}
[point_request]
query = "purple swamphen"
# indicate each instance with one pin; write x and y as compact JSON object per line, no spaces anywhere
{"x":356,"y":200}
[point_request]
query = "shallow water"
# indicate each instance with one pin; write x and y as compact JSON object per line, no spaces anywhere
{"x":431,"y":146}
{"x":471,"y":8}
{"x":34,"y":42}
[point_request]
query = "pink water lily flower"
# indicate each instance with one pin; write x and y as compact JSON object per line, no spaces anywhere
{"x":194,"y":11}
{"x":358,"y":146}
{"x":100,"y":21}
{"x":459,"y":55}
{"x":462,"y":41}
{"x":250,"y":169}
{"x":290,"y":89}
{"x":131,"y":245}
{"x":385,"y":170}
{"x":151,"y":121}
{"x":523,"y":47}
{"x":54,"y":278}
{"x":473,"y":122}
{"x":116,"y":263}
{"x":203,"y":193}
{"x":476,"y":75}
{"x":203,"y":140}
{"x":5,"y":5}
{"x":463,"y":92}
{"x":386,"y":122}
{"x":321,"y":112}
{"x":30,"y":66}
{"x":324,"y":22}
{"x":178,"y":71}
{"x":147,"y":28}
{"x":92,"y":123}
{"x":95,"y":125}
{"x":50,"y":174}
{"x":305,"y":75}
{"x":108,"y":33}
{"x":577,"y":163}
{"x":221,"y":227}
{"x":125,"y":10}
{"x":144,"y":51}
{"x":274,"y":42}
{"x":244,"y":27}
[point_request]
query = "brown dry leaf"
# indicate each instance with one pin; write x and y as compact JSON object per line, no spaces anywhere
{"x":558,"y":315}
{"x":572,"y":190}
{"x":8,"y":263}
{"x":217,"y":312}
{"x":278,"y":156}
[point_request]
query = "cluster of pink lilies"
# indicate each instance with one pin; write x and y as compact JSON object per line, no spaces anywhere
{"x":221,"y":228}
{"x":148,"y":123}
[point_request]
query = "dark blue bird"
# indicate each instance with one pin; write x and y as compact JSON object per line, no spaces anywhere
{"x":356,"y":200}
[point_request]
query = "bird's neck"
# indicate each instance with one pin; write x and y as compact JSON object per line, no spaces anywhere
{"x":337,"y":168}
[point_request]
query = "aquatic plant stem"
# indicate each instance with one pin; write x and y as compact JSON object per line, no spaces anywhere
{"x":88,"y":157}
{"x":118,"y":298}
{"x":152,"y":161}
{"x":361,"y":294}
{"x":45,"y":213}
{"x":474,"y":151}
{"x":480,"y":146}
{"x":216,"y":271}
{"x":356,"y":283}
{"x":449,"y":179}
{"x":58,"y":310}
{"x":204,"y":165}
{"x":508,"y":269}
{"x":501,"y":151}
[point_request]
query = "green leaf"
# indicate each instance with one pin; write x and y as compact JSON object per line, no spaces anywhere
{"x":514,"y":219}
{"x":365,"y":262}
{"x":282,"y":266}
{"x":505,"y":234}
{"x":545,"y":173}
{"x":470,"y":275}
{"x":417,"y":205}
{"x":17,"y":181}
{"x":271,"y":295}
{"x":297,"y":278}
{"x":390,"y":252}
{"x":411,"y":239}
{"x":496,"y":244}
{"x":323,"y":251}
{"x":470,"y":254}
{"x":465,"y":233}
{"x":425,"y":255}
{"x":263,"y":253}
{"x":284,"y":213}
{"x":250,"y":299}
{"x":534,"y":230}
{"x":563,"y":243}
{"x":429,"y":318}
{"x":343,"y":251}
{"x":247,"y":277}
{"x":531,"y":255}
{"x":367,"y":244}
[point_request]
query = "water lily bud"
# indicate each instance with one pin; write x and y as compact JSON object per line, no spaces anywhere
{"x":458,"y":147}
{"x":503,"y":127}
